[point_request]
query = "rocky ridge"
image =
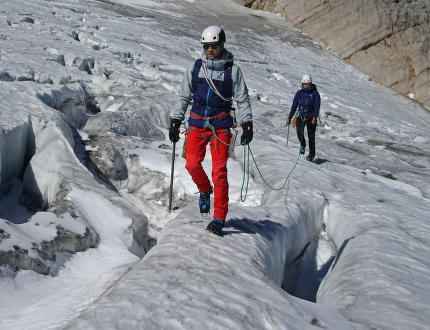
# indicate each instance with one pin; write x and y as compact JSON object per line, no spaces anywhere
{"x":387,"y":39}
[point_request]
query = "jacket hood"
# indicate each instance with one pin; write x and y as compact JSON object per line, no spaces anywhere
{"x":218,"y":64}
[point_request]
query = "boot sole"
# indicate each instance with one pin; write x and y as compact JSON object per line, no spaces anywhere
{"x":215,"y":233}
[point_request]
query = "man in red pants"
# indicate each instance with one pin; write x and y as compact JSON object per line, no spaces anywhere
{"x":212,"y":83}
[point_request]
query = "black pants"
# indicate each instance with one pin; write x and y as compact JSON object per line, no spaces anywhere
{"x":311,"y":134}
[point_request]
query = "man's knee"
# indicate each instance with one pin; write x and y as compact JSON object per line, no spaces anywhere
{"x":219,"y":177}
{"x":192,"y":164}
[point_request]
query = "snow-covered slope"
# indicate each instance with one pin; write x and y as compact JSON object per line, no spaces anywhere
{"x":86,"y":91}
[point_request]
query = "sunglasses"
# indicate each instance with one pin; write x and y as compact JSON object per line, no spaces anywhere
{"x":213,"y":46}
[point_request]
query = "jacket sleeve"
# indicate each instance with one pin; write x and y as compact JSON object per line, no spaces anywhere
{"x":317,"y":104}
{"x":184,"y":95}
{"x":240,"y":95}
{"x":294,"y":105}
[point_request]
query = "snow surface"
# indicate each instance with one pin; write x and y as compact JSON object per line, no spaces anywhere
{"x":86,"y":91}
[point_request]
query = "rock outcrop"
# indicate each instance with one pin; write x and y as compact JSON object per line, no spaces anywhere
{"x":387,"y":39}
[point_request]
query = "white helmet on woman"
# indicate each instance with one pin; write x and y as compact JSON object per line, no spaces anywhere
{"x":306,"y":79}
{"x":213,"y":33}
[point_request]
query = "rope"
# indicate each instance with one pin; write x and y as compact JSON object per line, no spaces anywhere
{"x":246,"y":165}
{"x":212,"y":85}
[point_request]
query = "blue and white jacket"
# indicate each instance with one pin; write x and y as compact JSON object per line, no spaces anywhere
{"x":228,"y":81}
{"x":308,"y":101}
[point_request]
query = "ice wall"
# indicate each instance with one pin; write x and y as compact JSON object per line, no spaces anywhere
{"x":16,"y":144}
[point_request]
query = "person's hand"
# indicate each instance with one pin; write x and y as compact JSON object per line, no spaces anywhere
{"x":314,"y":121}
{"x":288,"y":122}
{"x":174,"y":130}
{"x":247,"y":134}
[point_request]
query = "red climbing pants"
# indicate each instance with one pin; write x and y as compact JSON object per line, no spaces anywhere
{"x":197,"y":139}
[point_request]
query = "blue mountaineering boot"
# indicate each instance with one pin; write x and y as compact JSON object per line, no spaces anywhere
{"x":302,"y":150}
{"x":205,"y":201}
{"x":216,"y":226}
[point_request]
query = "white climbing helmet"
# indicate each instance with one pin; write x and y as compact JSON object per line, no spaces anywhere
{"x":306,"y":79}
{"x":212,"y":33}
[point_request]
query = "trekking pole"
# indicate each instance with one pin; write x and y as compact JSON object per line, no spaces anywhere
{"x":288,"y":135}
{"x":172,"y":172}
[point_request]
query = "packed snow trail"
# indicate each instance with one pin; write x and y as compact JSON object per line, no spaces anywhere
{"x":193,"y":280}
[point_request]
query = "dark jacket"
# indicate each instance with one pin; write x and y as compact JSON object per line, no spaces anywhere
{"x":308,"y":101}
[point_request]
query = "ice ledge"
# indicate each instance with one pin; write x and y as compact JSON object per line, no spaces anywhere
{"x":47,"y":250}
{"x":37,"y":145}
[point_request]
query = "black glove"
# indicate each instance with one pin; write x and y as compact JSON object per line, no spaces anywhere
{"x":174,"y":130}
{"x":247,"y":134}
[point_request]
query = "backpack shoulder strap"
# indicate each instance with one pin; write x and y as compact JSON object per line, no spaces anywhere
{"x":227,"y":75}
{"x":195,"y":73}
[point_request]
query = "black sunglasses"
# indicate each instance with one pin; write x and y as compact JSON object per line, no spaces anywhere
{"x":213,"y":46}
